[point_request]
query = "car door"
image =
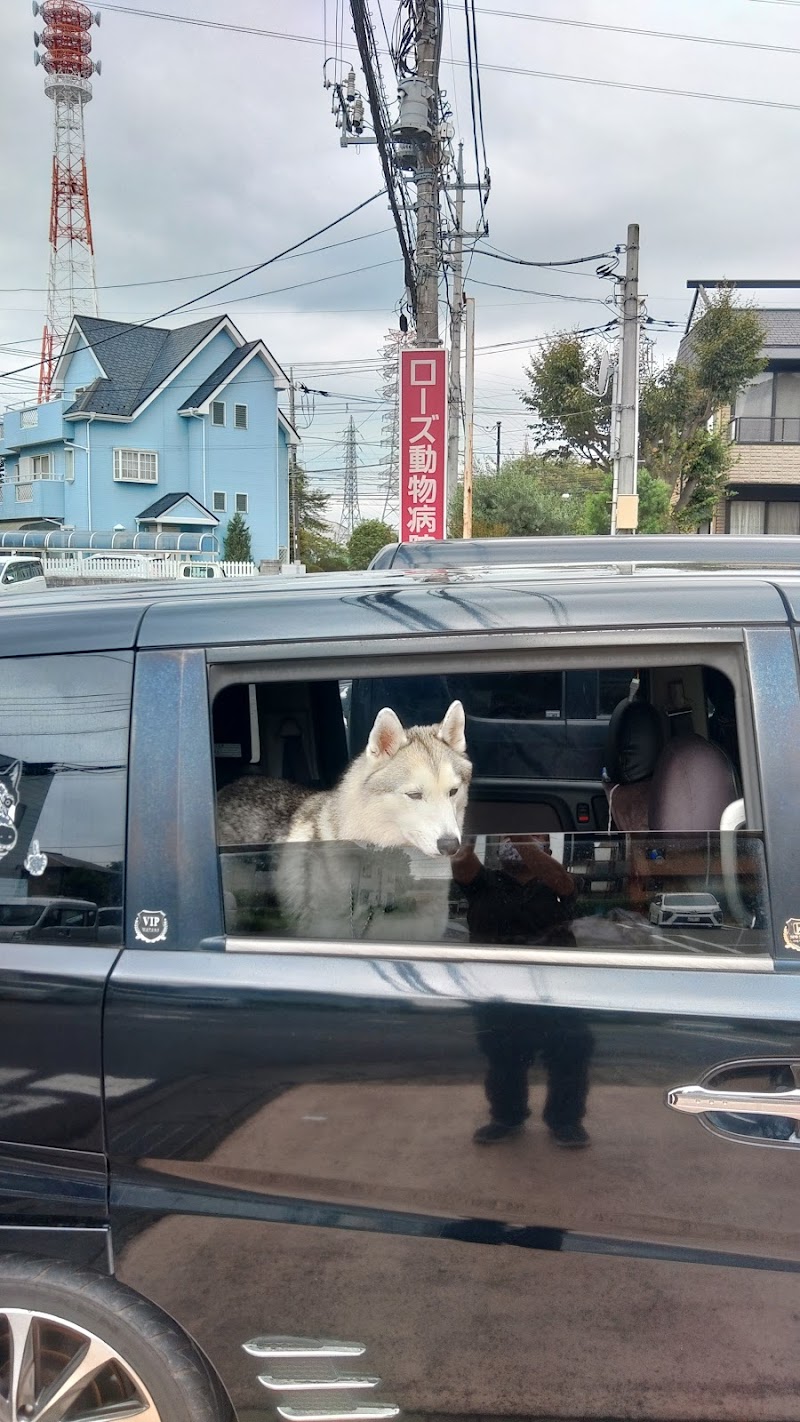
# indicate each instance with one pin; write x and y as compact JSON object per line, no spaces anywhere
{"x":63,"y":784}
{"x":298,"y":1182}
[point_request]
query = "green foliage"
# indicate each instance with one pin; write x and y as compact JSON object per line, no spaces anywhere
{"x":675,"y":407}
{"x":306,"y":514}
{"x":569,"y":414}
{"x":654,"y":514}
{"x":528,"y":498}
{"x":236,"y":547}
{"x":366,"y":540}
{"x":321,"y":554}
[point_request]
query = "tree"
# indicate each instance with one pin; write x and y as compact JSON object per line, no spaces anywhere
{"x":366,"y":540}
{"x":675,"y":409}
{"x":322,"y":554}
{"x":570,"y":414}
{"x":517,"y":502}
{"x":654,"y":512}
{"x":307,"y":508}
{"x":236,"y":548}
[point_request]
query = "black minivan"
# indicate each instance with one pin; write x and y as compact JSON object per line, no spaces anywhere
{"x":533,"y":1158}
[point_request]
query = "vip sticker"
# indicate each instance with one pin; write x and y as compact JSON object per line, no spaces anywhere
{"x":150,"y":926}
{"x":791,"y":934}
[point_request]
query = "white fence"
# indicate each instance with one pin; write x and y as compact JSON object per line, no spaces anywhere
{"x":115,"y":568}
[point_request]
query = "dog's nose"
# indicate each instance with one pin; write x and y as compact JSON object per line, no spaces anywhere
{"x":448,"y":844}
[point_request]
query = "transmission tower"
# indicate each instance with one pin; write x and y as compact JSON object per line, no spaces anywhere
{"x":67,"y":45}
{"x":393,"y":343}
{"x":351,"y":513}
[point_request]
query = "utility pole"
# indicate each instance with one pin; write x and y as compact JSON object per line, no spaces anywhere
{"x":293,"y":528}
{"x":456,"y":318}
{"x":627,"y":504}
{"x":497,"y":456}
{"x":469,"y":412}
{"x":428,"y":180}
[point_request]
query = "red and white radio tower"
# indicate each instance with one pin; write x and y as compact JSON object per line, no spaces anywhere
{"x":67,"y":45}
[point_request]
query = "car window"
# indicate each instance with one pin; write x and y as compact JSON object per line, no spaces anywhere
{"x":425,"y":843}
{"x":64,"y":725}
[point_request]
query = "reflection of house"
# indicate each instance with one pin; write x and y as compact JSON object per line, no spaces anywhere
{"x":765,"y":430}
{"x":153,"y":430}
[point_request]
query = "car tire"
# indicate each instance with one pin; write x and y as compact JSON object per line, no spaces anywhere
{"x":98,"y":1346}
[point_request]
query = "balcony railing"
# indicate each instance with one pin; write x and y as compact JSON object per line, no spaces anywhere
{"x":763,"y":429}
{"x":20,"y":491}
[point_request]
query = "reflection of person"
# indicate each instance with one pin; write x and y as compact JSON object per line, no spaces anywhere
{"x":526,"y":900}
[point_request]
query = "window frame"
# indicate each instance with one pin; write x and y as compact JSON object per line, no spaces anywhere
{"x":236,"y":499}
{"x":219,"y":494}
{"x":237,"y":407}
{"x":118,"y":464}
{"x":213,"y":408}
{"x":537,"y":652}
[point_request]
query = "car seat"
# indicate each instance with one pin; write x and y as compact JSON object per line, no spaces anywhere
{"x":634,"y":743}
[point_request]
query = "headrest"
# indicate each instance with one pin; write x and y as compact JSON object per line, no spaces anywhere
{"x":693,"y":784}
{"x":634,"y":741}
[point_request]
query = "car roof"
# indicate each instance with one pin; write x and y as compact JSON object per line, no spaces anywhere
{"x":609,"y":593}
{"x":699,"y":550}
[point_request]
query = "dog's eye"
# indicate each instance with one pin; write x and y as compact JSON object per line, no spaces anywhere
{"x":454,"y":791}
{"x":413,"y":794}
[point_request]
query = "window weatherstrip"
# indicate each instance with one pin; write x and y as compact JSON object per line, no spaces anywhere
{"x":499,"y":953}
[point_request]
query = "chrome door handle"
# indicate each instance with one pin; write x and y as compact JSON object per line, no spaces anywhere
{"x":696,"y":1100}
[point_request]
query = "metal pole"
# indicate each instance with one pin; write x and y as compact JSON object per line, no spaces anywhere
{"x":469,"y":410}
{"x":627,"y":501}
{"x":428,"y":180}
{"x":497,"y":457}
{"x":614,"y":442}
{"x":293,"y":530}
{"x":456,"y":318}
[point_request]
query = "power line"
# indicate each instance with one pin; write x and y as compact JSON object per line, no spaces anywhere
{"x":494,"y":68}
{"x":644,"y":34}
{"x":199,"y":276}
{"x":203,"y":295}
{"x":499,"y":256}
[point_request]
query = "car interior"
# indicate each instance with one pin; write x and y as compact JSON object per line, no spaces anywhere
{"x":632,"y":775}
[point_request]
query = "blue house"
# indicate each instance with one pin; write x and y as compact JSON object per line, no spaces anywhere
{"x":154,"y":430}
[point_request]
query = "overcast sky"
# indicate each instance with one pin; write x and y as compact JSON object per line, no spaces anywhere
{"x":209,"y":149}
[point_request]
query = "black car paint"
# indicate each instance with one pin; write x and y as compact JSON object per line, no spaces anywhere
{"x":483,"y":1285}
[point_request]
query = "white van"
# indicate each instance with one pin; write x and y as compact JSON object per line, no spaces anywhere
{"x":21,"y":572}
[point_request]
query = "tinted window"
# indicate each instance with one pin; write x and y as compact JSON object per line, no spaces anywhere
{"x":63,"y":761}
{"x":369,"y":864}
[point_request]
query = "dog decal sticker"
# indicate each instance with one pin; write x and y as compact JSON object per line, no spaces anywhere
{"x":9,"y":801}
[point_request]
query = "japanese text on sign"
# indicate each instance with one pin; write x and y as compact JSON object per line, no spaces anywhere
{"x":423,"y":444}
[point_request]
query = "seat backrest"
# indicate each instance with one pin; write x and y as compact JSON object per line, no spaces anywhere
{"x":635,"y":738}
{"x":693,"y":782}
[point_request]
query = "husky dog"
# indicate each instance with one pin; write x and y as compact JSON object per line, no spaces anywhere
{"x":346,"y":866}
{"x":9,"y":801}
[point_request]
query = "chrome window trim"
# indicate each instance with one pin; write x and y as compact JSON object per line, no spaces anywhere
{"x":458,"y":953}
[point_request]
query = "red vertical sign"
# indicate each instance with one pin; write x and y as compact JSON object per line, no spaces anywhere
{"x":423,"y":444}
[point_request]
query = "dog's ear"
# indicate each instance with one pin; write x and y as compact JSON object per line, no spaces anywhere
{"x":453,"y":728}
{"x":387,"y":736}
{"x":12,"y":775}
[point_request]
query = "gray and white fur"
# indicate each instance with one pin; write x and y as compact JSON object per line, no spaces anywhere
{"x":405,"y":796}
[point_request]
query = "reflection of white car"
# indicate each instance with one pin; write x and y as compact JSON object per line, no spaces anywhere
{"x":686,"y":911}
{"x":21,"y":573}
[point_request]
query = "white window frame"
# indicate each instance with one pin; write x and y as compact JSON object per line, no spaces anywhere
{"x":69,"y":466}
{"x":218,"y":405}
{"x":236,"y":499}
{"x":219,"y":508}
{"x":236,"y":424}
{"x":42,"y":466}
{"x":128,"y":466}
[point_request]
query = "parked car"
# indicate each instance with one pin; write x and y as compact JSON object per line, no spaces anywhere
{"x":679,"y":910}
{"x":21,"y":573}
{"x":47,"y":920}
{"x":265,"y":1145}
{"x":202,"y":570}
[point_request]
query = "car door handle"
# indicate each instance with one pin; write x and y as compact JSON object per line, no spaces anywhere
{"x":696,"y":1100}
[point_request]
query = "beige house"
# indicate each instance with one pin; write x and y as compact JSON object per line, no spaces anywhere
{"x":764,"y":427}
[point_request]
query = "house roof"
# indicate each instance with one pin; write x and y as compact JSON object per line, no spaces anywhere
{"x":782,"y":334}
{"x":136,"y":361}
{"x":291,"y":432}
{"x":217,"y":377}
{"x":170,"y":501}
{"x":225,"y":371}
